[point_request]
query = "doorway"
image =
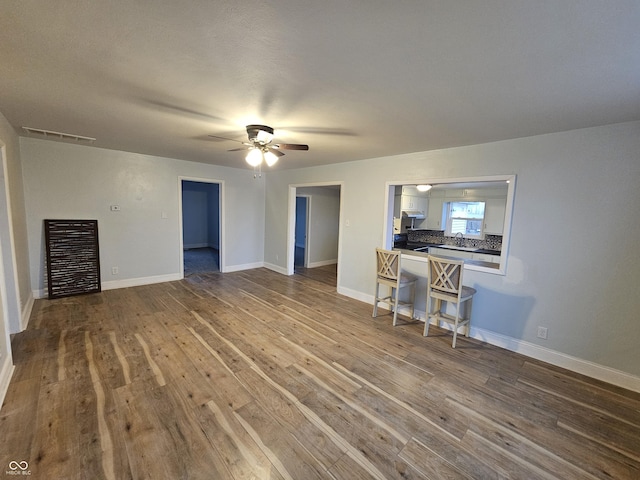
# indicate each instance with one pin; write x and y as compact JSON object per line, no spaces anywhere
{"x":200,"y":227}
{"x":302,"y":228}
{"x":314,"y":231}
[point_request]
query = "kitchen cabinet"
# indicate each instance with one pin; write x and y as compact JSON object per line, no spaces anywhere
{"x":447,"y":252}
{"x":494,"y":215}
{"x":485,"y":257}
{"x":434,"y":214}
{"x":410,"y":202}
{"x":414,"y":200}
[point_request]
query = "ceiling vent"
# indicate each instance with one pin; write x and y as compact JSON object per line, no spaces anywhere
{"x":58,"y":135}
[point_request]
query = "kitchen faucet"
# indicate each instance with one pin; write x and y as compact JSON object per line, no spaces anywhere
{"x":460,"y":239}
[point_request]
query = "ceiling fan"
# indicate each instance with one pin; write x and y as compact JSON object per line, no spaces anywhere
{"x":260,"y":146}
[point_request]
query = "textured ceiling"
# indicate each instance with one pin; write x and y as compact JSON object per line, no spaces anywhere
{"x":354,"y":80}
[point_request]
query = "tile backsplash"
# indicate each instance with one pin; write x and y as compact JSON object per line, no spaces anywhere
{"x":490,"y":242}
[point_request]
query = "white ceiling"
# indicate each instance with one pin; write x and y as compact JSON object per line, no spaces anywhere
{"x":354,"y":79}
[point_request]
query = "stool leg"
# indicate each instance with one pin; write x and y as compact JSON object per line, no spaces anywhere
{"x":427,"y":320}
{"x":468,"y":315}
{"x":375,"y":301}
{"x":455,"y":326}
{"x":413,"y":300}
{"x":395,"y":305}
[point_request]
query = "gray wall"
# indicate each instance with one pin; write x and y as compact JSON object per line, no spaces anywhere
{"x":143,"y":239}
{"x":573,"y":265}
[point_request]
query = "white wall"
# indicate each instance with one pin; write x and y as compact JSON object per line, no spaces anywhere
{"x":16,"y":301}
{"x":75,"y":181}
{"x":573,"y":263}
{"x":324,"y":223}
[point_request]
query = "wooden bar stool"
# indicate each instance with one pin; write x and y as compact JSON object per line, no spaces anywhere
{"x":444,"y":282}
{"x":389,"y":273}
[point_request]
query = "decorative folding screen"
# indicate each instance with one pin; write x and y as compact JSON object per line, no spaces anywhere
{"x":73,"y":259}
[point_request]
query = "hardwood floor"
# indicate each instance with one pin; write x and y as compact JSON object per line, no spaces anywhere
{"x":255,"y":375}
{"x":327,"y":274}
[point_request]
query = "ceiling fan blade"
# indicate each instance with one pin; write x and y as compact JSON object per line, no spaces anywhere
{"x":230,"y":139}
{"x":291,"y":146}
{"x":275,"y":152}
{"x":238,"y":149}
{"x":321,"y":131}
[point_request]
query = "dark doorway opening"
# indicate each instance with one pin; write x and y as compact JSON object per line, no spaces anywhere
{"x":200,"y":227}
{"x":300,"y":258}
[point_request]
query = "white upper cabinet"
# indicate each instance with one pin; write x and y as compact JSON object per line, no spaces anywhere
{"x":414,"y":200}
{"x":434,"y":214}
{"x":494,"y":215}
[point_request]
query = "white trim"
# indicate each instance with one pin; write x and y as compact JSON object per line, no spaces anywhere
{"x":322,"y":263}
{"x":387,"y":234}
{"x":12,"y":319}
{"x":243,"y":266}
{"x":126,"y":283}
{"x":6,"y":373}
{"x":221,"y":218}
{"x":276,"y":268}
{"x":356,"y":295}
{"x":26,"y":311}
{"x":559,"y":359}
{"x":291,"y":223}
{"x":137,"y":282}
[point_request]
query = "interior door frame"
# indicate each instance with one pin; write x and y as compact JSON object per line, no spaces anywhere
{"x":221,"y":217}
{"x":291,"y":224}
{"x":14,"y":321}
{"x":307,"y":237}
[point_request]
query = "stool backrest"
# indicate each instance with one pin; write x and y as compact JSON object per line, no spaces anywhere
{"x":388,"y":264}
{"x":445,"y":275}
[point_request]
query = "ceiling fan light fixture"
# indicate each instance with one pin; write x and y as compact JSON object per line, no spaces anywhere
{"x":254,"y":157}
{"x":270,"y":158}
{"x":423,"y":187}
{"x":264,"y":137}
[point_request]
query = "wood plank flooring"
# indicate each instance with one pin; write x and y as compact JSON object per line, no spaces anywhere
{"x":255,"y":375}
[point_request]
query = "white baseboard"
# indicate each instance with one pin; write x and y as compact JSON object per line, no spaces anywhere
{"x":26,"y":312}
{"x":559,"y":359}
{"x":126,"y":283}
{"x":578,"y":365}
{"x":322,"y":263}
{"x":137,"y":282}
{"x":356,"y":295}
{"x":6,"y":371}
{"x":245,"y":266}
{"x":276,"y":268}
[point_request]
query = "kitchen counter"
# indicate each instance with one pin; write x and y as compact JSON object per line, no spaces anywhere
{"x":417,"y":246}
{"x":422,"y":256}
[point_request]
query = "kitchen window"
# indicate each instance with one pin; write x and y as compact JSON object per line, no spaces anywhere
{"x":466,"y":218}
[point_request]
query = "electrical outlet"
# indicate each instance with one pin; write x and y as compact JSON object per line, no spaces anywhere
{"x":114,"y":270}
{"x":542,"y":332}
